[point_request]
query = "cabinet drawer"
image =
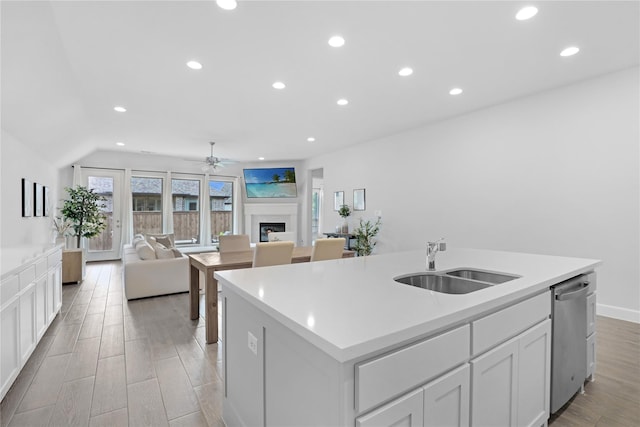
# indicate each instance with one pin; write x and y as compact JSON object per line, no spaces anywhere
{"x":504,"y":324}
{"x":54,"y":259}
{"x":9,"y":288}
{"x":390,"y":375}
{"x":41,"y":267}
{"x":27,"y":276}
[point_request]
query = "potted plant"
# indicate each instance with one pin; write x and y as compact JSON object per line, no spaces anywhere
{"x":344,"y":212}
{"x":83,"y":210}
{"x":364,"y":235}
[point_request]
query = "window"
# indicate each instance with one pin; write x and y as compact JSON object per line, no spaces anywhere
{"x":221,"y":206}
{"x":146,"y":197}
{"x":185,"y":195}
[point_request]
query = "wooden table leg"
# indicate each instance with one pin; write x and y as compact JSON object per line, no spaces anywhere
{"x":211,"y":304}
{"x":194,"y":292}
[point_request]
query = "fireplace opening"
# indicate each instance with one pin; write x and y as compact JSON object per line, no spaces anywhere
{"x":268,"y":227}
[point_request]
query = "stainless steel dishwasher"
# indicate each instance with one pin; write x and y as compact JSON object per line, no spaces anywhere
{"x":569,"y":346}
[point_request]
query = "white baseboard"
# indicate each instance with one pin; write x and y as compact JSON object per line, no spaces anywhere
{"x":618,"y":313}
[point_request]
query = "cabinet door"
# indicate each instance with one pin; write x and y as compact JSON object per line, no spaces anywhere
{"x":28,"y":331}
{"x":446,"y":400}
{"x":407,"y":411}
{"x":494,"y":386}
{"x":10,"y":348}
{"x":57,"y":288}
{"x":41,"y":306}
{"x":591,"y":355}
{"x":534,"y":375}
{"x":591,"y":314}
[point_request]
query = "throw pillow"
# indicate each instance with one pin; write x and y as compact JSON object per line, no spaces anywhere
{"x":177,"y":253}
{"x":145,"y":251}
{"x":162,"y":252}
{"x":165,"y":239}
{"x":137,"y":238}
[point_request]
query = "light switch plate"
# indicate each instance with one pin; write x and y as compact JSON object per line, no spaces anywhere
{"x":253,"y":343}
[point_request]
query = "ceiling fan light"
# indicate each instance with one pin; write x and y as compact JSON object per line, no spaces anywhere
{"x":227,"y":4}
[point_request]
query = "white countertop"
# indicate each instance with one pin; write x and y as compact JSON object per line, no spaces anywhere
{"x":352,"y":306}
{"x":14,"y":258}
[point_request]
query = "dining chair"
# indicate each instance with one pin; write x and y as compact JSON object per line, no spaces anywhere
{"x":324,"y":249}
{"x":282,"y":236}
{"x":234,"y":243}
{"x":272,"y":253}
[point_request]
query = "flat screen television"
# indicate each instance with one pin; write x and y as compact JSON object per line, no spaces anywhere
{"x":270,"y":183}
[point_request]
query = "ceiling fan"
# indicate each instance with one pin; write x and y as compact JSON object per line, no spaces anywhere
{"x":211,"y":162}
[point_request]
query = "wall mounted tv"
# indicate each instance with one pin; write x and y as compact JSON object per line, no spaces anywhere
{"x":270,"y":183}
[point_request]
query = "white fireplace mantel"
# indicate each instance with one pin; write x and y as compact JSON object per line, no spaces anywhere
{"x":255,"y":213}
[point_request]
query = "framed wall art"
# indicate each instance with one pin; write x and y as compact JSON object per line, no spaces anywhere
{"x":27,"y":198}
{"x":38,"y":196}
{"x":358,"y":200}
{"x":47,"y":202}
{"x":338,"y":200}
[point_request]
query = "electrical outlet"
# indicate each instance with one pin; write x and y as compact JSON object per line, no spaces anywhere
{"x":253,"y":343}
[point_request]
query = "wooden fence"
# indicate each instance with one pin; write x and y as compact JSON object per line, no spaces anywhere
{"x":185,"y":226}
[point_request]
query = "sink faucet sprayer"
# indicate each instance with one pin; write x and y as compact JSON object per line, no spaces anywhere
{"x":432,"y":249}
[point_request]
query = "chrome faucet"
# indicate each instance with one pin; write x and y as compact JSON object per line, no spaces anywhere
{"x":432,"y":250}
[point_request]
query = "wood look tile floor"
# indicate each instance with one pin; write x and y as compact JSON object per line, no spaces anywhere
{"x":106,"y":361}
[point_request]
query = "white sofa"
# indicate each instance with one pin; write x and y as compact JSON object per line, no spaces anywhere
{"x":147,"y":278}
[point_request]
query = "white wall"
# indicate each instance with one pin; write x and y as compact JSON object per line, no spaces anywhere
{"x":554,"y":173}
{"x":19,"y":161}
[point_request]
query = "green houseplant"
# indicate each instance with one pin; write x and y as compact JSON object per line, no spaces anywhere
{"x":83,"y":210}
{"x":344,"y":212}
{"x":364,"y":235}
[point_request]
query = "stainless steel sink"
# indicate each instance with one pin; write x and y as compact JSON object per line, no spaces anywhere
{"x":483,"y":276}
{"x":441,"y":283}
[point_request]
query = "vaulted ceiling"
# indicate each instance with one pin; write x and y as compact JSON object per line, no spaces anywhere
{"x":66,"y":65}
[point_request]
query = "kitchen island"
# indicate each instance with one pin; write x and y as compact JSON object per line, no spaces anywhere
{"x":341,"y":343}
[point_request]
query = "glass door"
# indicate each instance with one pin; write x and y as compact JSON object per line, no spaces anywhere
{"x":108,"y":184}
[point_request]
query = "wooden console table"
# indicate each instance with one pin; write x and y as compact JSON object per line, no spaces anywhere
{"x":347,"y":237}
{"x":211,"y":262}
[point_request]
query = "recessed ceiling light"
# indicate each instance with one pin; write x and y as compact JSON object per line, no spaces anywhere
{"x":406,"y":71}
{"x":194,"y":65}
{"x":336,"y":41}
{"x":342,"y":101}
{"x":455,"y":91}
{"x":570,"y":51}
{"x":527,"y":12}
{"x":119,"y":109}
{"x":227,"y":4}
{"x":120,"y":144}
{"x":278,"y":85}
{"x":311,"y":139}
{"x":260,"y":158}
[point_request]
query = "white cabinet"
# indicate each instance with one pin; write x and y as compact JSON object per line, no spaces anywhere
{"x":30,"y":298}
{"x":28,"y":331}
{"x":494,"y":380}
{"x":406,"y":411}
{"x":534,"y":373}
{"x":591,"y":333}
{"x":10,"y":350}
{"x":446,"y":400}
{"x":510,"y":384}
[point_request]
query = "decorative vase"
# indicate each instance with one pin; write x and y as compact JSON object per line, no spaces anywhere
{"x":345,"y":227}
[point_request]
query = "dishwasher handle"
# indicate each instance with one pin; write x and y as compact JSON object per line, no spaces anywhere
{"x":575,"y":294}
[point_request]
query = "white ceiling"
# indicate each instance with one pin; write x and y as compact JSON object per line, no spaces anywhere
{"x":65,"y":65}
